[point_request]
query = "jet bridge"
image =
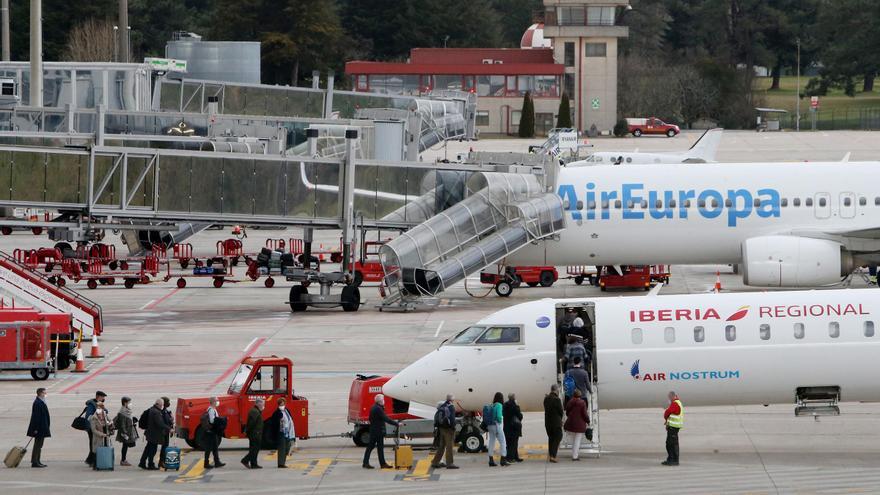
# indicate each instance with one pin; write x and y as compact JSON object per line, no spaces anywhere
{"x":503,"y":213}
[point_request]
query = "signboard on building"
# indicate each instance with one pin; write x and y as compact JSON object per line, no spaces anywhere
{"x":166,"y":64}
{"x":568,"y":139}
{"x":595,"y":103}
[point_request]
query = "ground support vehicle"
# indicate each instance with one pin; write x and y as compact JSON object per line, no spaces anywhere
{"x":361,"y":398}
{"x":103,"y":253}
{"x":220,"y":275}
{"x":183,"y":253}
{"x":24,"y":345}
{"x":651,"y":125}
{"x":269,"y":378}
{"x":633,"y":277}
{"x":29,"y":215}
{"x":368,"y":268}
{"x":300,"y":299}
{"x":511,"y":277}
{"x":583,"y":273}
{"x":47,"y":260}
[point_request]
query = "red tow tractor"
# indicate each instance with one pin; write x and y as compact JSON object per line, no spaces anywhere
{"x":511,"y":277}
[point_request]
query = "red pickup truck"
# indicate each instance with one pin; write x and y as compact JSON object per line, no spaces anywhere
{"x":651,"y":125}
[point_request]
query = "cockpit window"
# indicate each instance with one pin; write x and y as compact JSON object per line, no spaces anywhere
{"x":467,"y":336}
{"x":501,"y":335}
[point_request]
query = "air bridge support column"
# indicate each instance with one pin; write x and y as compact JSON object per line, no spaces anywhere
{"x":36,"y":21}
{"x":308,"y":232}
{"x":328,"y":98}
{"x":351,"y":136}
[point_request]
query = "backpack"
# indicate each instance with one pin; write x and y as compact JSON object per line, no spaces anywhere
{"x":568,"y":385}
{"x":144,"y":419}
{"x":441,"y":417}
{"x":489,"y":414}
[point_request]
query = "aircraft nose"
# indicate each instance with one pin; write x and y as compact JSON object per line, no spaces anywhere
{"x":395,"y":388}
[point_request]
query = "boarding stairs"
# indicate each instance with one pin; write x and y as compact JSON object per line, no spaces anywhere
{"x":29,"y":286}
{"x":502,"y":213}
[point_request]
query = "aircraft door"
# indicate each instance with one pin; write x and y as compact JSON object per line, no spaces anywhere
{"x":822,"y":205}
{"x":847,"y":205}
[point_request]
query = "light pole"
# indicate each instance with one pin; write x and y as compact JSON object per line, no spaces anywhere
{"x":797,"y":95}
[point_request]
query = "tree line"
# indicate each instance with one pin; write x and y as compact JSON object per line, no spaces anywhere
{"x":686,"y":60}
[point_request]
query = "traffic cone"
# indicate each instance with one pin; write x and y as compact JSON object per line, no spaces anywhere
{"x":80,"y":363}
{"x":96,"y":351}
{"x":718,"y":281}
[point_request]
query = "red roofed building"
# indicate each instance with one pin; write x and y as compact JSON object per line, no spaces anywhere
{"x":582,"y":61}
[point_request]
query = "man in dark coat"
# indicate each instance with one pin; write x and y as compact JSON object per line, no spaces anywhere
{"x":553,"y":421}
{"x":169,"y":422}
{"x":378,"y":418}
{"x":512,"y":427}
{"x":254,"y":431}
{"x":154,"y":433}
{"x":38,"y":429}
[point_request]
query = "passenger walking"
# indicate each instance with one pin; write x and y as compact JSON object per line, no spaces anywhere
{"x":126,"y":429}
{"x":574,"y":349}
{"x":254,"y":431}
{"x":674,"y":419}
{"x":91,"y":407}
{"x":283,"y":422}
{"x":101,"y":428}
{"x":212,"y":429}
{"x":169,"y":423}
{"x":38,"y":428}
{"x":512,"y":427}
{"x":493,"y":416}
{"x":154,"y":432}
{"x":553,"y":421}
{"x":378,"y":419}
{"x":576,"y":421}
{"x":444,"y":421}
{"x":578,"y":378}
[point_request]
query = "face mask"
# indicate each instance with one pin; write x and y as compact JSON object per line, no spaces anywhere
{"x":281,"y":407}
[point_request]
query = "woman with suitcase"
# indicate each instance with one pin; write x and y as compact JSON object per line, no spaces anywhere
{"x":101,"y":428}
{"x":126,"y":430}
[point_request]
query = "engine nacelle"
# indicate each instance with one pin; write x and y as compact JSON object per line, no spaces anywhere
{"x":789,"y":261}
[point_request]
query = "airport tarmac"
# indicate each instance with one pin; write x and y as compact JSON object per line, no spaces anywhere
{"x":161,"y":340}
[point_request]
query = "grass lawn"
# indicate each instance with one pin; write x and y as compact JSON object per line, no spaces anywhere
{"x":836,"y":101}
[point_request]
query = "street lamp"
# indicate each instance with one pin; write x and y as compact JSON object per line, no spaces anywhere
{"x":797,"y":95}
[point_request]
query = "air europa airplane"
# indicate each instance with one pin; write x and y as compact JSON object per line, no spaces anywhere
{"x":703,"y":151}
{"x":811,"y":349}
{"x":786,"y":224}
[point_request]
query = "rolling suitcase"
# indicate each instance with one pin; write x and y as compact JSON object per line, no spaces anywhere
{"x":172,"y":458}
{"x":15,"y":455}
{"x":403,"y":457}
{"x":104,"y":458}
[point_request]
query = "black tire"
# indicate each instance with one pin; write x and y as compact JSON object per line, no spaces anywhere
{"x":209,"y":262}
{"x":235,"y":261}
{"x":361,"y":436}
{"x":60,"y":282}
{"x":472,"y":443}
{"x":351,"y":298}
{"x":129,"y":283}
{"x":193,"y":443}
{"x":296,"y":293}
{"x":48,"y":268}
{"x":218,"y":282}
{"x":92,"y":284}
{"x":40,"y":374}
{"x":269,"y":283}
{"x":547,"y":278}
{"x":113,"y":265}
{"x":358,"y":278}
{"x":181,"y":283}
{"x":670,"y":133}
{"x":637,"y":133}
{"x":52,"y":280}
{"x":184,"y":263}
{"x":532,"y":284}
{"x":503,"y":288}
{"x":579,"y":280}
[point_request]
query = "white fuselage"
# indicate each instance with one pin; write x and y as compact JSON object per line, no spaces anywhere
{"x":713,"y":349}
{"x":700,"y":213}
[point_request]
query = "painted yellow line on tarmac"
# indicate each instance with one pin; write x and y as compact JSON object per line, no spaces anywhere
{"x":320,"y":467}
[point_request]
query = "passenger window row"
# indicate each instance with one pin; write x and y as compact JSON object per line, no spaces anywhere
{"x":763,"y":332}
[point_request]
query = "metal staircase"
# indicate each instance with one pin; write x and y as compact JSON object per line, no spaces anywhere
{"x":503,"y":213}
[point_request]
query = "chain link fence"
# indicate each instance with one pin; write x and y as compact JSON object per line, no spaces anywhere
{"x":842,"y":119}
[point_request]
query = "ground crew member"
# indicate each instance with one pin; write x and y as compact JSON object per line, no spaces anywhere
{"x":674,"y":419}
{"x":378,"y":418}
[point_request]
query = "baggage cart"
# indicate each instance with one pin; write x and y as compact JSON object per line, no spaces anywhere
{"x":24,"y":345}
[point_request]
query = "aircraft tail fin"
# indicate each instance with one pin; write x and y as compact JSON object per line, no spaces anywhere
{"x":705,"y":149}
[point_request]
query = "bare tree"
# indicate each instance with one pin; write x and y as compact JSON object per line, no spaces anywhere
{"x":91,"y":41}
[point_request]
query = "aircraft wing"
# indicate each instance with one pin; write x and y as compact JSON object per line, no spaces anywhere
{"x":868,"y":234}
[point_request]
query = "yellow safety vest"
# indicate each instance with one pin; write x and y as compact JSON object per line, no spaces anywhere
{"x":676,"y":420}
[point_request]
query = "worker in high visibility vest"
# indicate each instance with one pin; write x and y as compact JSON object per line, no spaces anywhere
{"x":674,"y":420}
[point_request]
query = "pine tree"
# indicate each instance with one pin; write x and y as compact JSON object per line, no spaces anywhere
{"x":527,"y":117}
{"x":563,"y":119}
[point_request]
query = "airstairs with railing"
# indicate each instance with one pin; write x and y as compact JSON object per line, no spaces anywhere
{"x":502,"y":213}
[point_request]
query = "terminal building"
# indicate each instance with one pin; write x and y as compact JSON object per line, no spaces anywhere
{"x":574,"y":50}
